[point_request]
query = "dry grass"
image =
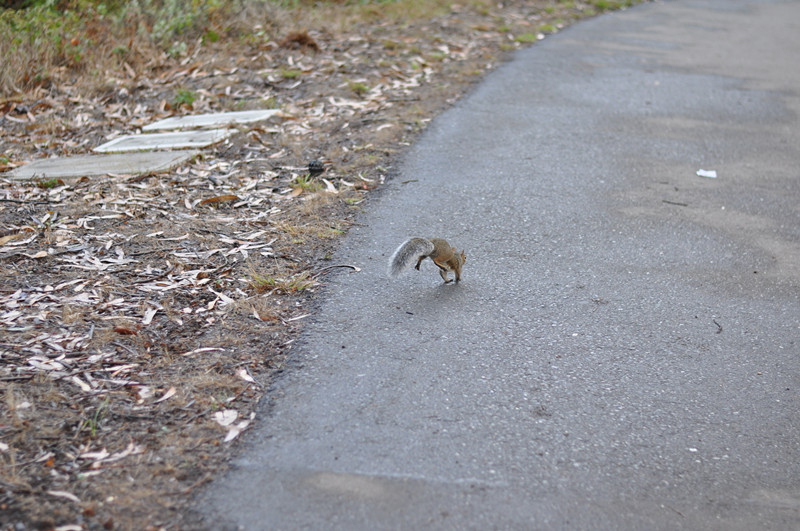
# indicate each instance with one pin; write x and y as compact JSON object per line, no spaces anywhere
{"x":42,"y":46}
{"x":92,"y":44}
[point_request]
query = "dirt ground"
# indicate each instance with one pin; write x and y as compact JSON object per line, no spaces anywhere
{"x":142,"y":317}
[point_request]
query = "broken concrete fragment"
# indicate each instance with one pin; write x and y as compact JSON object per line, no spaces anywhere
{"x":175,"y":140}
{"x":218,"y":119}
{"x":94,"y":165}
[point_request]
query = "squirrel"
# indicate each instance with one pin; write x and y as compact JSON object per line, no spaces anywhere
{"x":445,"y":257}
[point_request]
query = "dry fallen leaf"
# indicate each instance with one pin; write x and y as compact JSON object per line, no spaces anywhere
{"x":226,"y":417}
{"x":300,"y":40}
{"x":219,"y":199}
{"x":244,"y":375}
{"x":142,"y":392}
{"x":329,"y":187}
{"x":234,"y":431}
{"x":148,"y":315}
{"x":170,"y":392}
{"x":5,"y":239}
{"x":201,"y":350}
{"x":86,"y":388}
{"x":102,"y":454}
{"x":64,"y":494}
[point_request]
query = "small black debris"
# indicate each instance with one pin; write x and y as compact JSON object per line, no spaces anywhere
{"x":315,"y":167}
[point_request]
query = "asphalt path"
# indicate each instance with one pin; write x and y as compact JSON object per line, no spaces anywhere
{"x":623,"y":351}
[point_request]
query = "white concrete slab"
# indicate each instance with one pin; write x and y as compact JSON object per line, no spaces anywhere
{"x":211,"y":120}
{"x":95,"y":165}
{"x":175,"y":140}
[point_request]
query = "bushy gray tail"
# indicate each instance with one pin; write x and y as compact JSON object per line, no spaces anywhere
{"x":407,"y":255}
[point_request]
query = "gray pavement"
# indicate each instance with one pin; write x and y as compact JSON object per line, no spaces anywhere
{"x":623,"y":349}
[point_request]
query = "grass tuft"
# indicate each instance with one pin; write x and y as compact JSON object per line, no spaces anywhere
{"x":293,"y":284}
{"x":527,"y":38}
{"x":183,"y":98}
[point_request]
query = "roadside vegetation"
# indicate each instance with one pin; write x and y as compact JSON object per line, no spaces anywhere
{"x":46,"y":41}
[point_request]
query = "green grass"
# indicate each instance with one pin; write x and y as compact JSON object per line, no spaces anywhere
{"x":184,"y":98}
{"x":330,"y":233}
{"x":288,"y":73}
{"x":606,"y":5}
{"x":77,"y":34}
{"x":92,"y":423}
{"x":526,"y":38}
{"x":358,"y":87}
{"x":307,"y":183}
{"x":49,"y":183}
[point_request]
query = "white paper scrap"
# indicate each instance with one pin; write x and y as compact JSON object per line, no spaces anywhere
{"x":711,"y":174}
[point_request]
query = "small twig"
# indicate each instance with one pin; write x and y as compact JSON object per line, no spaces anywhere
{"x":673,"y":509}
{"x":719,"y":326}
{"x":326,"y":269}
{"x":202,"y":413}
{"x":128,"y":416}
{"x":675,"y":203}
{"x":23,"y":463}
{"x":142,"y":253}
{"x":157,"y":277}
{"x":18,"y":488}
{"x":259,"y":384}
{"x":69,"y":374}
{"x":12,"y":346}
{"x":73,"y":249}
{"x":188,"y":490}
{"x":124,"y":347}
{"x":115,"y":465}
{"x":15,"y":378}
{"x":3,"y":199}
